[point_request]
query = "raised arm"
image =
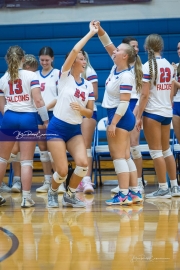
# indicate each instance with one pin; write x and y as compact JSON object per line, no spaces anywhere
{"x":105,"y":39}
{"x":79,"y":45}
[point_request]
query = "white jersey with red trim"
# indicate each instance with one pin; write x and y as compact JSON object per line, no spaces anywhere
{"x":159,"y":101}
{"x":92,"y":77}
{"x":117,"y":83}
{"x":49,"y":85}
{"x":177,"y":96}
{"x":70,"y":91}
{"x":18,"y":94}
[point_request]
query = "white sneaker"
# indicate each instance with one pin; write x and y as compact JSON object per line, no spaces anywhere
{"x":141,"y":187}
{"x":16,"y":187}
{"x":4,"y":188}
{"x":61,"y":189}
{"x":115,"y":190}
{"x":44,"y":188}
{"x":27,"y":202}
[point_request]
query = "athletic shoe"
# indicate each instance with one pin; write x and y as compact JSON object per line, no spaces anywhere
{"x":16,"y":187}
{"x":44,"y":188}
{"x":4,"y":188}
{"x":115,"y":190}
{"x":141,"y":187}
{"x":2,"y":200}
{"x":175,"y":191}
{"x":72,"y":200}
{"x":86,"y":187}
{"x":162,"y":204}
{"x":160,"y":193}
{"x":136,"y":196}
{"x":61,"y":189}
{"x":27,"y":202}
{"x":120,"y":199}
{"x":52,"y":199}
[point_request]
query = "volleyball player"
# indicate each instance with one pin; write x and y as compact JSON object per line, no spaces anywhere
{"x":121,"y":120}
{"x":156,"y":102}
{"x":21,"y":90}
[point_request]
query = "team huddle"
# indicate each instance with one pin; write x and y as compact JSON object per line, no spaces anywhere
{"x":60,"y":105}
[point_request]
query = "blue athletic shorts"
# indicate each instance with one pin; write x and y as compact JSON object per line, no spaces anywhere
{"x":132,"y":103}
{"x":127,"y":122}
{"x":58,"y":129}
{"x":176,"y":108}
{"x":161,"y":119}
{"x":39,"y":120}
{"x":19,"y":126}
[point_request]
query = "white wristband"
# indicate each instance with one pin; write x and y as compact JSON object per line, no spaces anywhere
{"x":122,"y":107}
{"x":105,"y":39}
{"x":43,"y":113}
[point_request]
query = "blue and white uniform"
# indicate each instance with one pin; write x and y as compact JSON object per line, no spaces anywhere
{"x":92,"y":77}
{"x":159,"y":105}
{"x":116,"y":83}
{"x":66,"y":122}
{"x":176,"y":103}
{"x":20,"y":112}
{"x":49,"y":88}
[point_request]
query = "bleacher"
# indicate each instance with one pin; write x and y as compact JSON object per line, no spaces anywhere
{"x":62,"y":36}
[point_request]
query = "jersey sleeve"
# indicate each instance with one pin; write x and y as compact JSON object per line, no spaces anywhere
{"x":146,"y":75}
{"x":126,"y":83}
{"x":34,"y":81}
{"x":91,"y":75}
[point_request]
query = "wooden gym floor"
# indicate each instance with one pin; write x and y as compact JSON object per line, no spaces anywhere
{"x":139,"y":237}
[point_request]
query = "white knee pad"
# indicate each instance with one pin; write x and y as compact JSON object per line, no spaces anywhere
{"x":50,"y":156}
{"x":155,"y":153}
{"x":44,"y":156}
{"x":167,"y":153}
{"x":27,"y":163}
{"x":135,"y":152}
{"x":59,"y":179}
{"x":81,"y":171}
{"x":89,"y":153}
{"x":12,"y":158}
{"x":131,"y":165}
{"x":3,"y":160}
{"x":120,"y":165}
{"x":17,"y":157}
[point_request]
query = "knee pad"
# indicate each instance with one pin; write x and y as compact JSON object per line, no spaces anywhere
{"x":12,"y":158}
{"x":81,"y":171}
{"x":27,"y":163}
{"x":59,"y":179}
{"x":17,"y":157}
{"x":167,"y":153}
{"x":44,"y":156}
{"x":89,"y":153}
{"x":3,"y":160}
{"x":50,"y":156}
{"x":131,"y":165}
{"x":120,"y":165}
{"x":135,"y":152}
{"x":155,"y":153}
